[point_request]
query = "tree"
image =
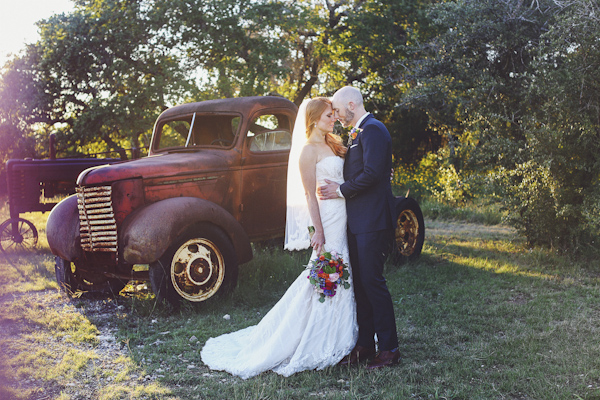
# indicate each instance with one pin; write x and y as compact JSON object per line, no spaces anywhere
{"x":115,"y":73}
{"x":513,"y":86}
{"x":19,"y":107}
{"x":101,"y":77}
{"x":104,"y":71}
{"x":563,"y":132}
{"x":374,"y":48}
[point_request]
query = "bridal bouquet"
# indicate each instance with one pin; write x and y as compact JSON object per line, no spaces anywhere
{"x":326,"y":273}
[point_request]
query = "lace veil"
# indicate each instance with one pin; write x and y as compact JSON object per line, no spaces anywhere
{"x":297,"y":216}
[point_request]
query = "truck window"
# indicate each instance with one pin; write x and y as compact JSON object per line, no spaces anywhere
{"x":270,"y":133}
{"x":206,"y":130}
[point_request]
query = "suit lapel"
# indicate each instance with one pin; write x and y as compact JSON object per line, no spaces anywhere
{"x":362,"y":123}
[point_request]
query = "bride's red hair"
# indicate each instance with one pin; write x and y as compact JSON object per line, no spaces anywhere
{"x":314,"y":109}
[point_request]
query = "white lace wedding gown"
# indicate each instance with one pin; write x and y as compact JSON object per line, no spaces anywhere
{"x":299,"y":333}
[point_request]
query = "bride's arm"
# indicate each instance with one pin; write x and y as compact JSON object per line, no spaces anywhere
{"x":308,"y":172}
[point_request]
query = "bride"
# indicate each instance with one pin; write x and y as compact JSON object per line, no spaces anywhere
{"x":301,"y":333}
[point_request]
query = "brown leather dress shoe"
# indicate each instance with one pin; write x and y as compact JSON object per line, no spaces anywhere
{"x":384,"y":359}
{"x":358,"y":354}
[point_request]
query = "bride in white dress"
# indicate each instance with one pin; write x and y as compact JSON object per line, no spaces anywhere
{"x":300,"y":333}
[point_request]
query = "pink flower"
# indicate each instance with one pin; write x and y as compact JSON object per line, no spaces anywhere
{"x":334,"y":277}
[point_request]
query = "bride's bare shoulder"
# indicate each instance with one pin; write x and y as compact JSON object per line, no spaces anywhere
{"x":309,"y":156}
{"x":309,"y":151}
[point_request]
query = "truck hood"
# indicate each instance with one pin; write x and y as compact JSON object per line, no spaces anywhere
{"x":158,"y":166}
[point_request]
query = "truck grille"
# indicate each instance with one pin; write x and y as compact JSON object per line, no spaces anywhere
{"x":97,"y":225}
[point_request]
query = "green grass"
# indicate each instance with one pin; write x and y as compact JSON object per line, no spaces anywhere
{"x":479,"y":316}
{"x":474,"y":213}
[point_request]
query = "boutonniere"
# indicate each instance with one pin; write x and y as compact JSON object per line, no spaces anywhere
{"x":353,"y":134}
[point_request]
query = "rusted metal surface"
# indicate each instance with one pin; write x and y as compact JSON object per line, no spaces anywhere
{"x":127,"y":196}
{"x":30,"y":183}
{"x":98,"y":227}
{"x":17,"y":234}
{"x":150,"y":230}
{"x":62,"y":230}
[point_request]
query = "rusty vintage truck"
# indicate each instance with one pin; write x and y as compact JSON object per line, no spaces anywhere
{"x":213,"y":182}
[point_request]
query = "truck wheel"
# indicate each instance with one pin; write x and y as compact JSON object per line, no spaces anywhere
{"x":70,"y":281}
{"x":200,"y":263}
{"x":410,"y":231}
{"x":64,"y":276}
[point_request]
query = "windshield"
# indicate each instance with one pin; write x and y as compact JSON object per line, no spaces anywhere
{"x":197,"y":130}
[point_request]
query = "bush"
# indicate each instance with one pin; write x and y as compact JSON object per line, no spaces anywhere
{"x":443,"y":193}
{"x":542,"y":209}
{"x":434,"y":178}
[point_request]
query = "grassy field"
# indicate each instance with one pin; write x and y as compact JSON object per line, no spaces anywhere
{"x":479,"y":317}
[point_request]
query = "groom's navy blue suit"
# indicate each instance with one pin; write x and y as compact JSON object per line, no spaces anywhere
{"x":370,"y":209}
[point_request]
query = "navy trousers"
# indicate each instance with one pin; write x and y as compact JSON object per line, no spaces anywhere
{"x":374,"y":307}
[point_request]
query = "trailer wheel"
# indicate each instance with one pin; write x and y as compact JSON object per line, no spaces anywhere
{"x":17,"y":234}
{"x":409,"y":231}
{"x":198,"y":265}
{"x":71,"y":281}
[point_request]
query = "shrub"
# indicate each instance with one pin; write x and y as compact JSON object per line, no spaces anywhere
{"x":434,"y":178}
{"x":540,"y":205}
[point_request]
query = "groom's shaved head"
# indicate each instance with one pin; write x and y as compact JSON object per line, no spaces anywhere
{"x":348,"y":94}
{"x":348,"y":105}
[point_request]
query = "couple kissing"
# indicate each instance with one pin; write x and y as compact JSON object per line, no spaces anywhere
{"x":344,"y":193}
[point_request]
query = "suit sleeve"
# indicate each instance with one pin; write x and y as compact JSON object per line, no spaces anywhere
{"x":375,"y":144}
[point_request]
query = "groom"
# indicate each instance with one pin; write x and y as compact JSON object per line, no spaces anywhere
{"x":370,"y":209}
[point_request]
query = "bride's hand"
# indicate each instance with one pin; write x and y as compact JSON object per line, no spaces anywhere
{"x":317,"y":241}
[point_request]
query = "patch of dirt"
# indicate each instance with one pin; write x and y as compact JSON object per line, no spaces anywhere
{"x":86,"y":383}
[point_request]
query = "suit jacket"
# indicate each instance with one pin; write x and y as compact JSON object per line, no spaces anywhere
{"x":367,"y":189}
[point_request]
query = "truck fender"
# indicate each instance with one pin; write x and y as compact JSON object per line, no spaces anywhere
{"x":149,"y":231}
{"x":62,"y":230}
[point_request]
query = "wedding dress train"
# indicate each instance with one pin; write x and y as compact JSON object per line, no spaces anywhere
{"x":299,"y":333}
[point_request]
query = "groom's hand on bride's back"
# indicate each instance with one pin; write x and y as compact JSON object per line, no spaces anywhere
{"x":328,"y":191}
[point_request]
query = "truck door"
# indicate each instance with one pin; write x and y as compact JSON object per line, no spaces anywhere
{"x":264,"y":174}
